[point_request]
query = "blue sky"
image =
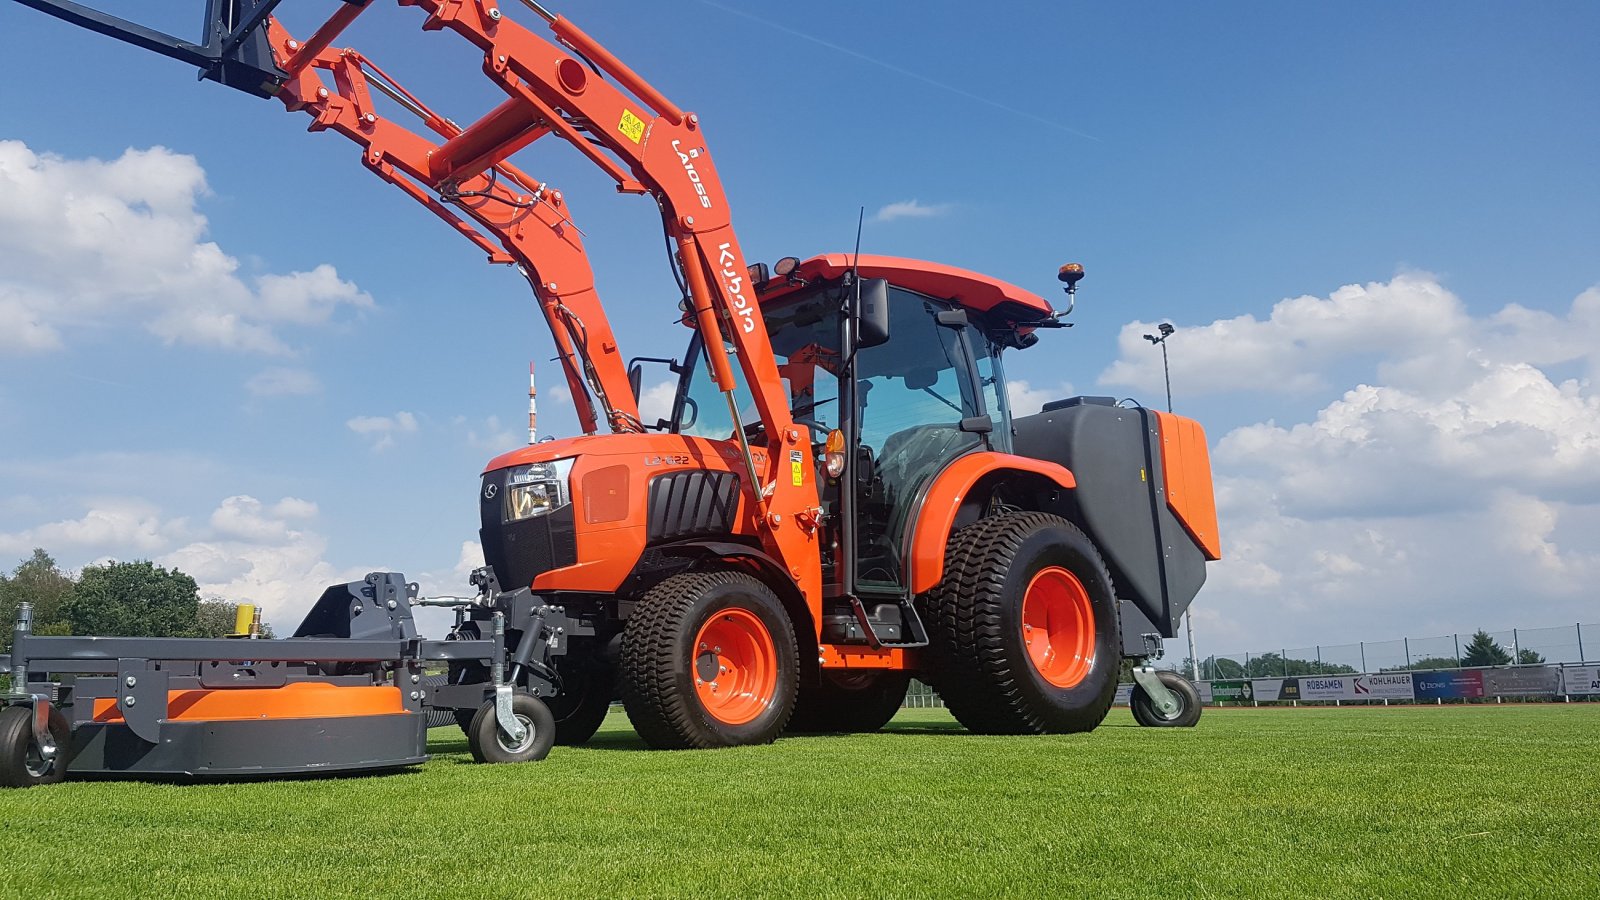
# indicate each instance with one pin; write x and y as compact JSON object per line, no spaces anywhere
{"x":1375,"y":226}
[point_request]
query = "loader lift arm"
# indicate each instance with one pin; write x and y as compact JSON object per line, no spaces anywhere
{"x":627,"y":128}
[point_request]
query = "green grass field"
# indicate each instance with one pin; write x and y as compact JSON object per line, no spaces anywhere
{"x":1429,"y":802}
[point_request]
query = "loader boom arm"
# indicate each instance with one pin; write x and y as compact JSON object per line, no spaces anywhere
{"x":627,"y":128}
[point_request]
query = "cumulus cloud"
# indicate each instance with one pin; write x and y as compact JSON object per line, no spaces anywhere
{"x":116,"y":523}
{"x":382,"y":430}
{"x":258,"y":553}
{"x":1455,"y":486}
{"x":910,"y":209}
{"x":91,"y":243}
{"x":493,"y":436}
{"x":1025,"y":399}
{"x":1417,"y":329}
{"x":655,"y":402}
{"x":282,"y":382}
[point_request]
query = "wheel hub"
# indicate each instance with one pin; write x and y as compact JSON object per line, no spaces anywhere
{"x":735,"y":666}
{"x":1058,"y":627}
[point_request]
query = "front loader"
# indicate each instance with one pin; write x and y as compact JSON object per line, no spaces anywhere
{"x":840,"y":499}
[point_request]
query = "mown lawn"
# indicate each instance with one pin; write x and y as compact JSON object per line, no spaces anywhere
{"x":1427,"y":802}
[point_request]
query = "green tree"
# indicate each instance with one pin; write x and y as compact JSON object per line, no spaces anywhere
{"x":1526,"y":657}
{"x":1482,"y":650}
{"x":39,"y":581}
{"x":134,"y":598}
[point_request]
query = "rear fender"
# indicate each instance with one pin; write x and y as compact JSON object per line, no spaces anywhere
{"x":954,"y":495}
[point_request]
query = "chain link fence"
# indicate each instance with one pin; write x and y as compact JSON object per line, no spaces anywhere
{"x":1571,"y":644}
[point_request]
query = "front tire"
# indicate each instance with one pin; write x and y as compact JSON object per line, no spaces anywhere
{"x":1146,"y":713}
{"x":1023,"y":627}
{"x":709,"y":659}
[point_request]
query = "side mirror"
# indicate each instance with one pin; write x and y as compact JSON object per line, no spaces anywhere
{"x":873,"y":317}
{"x":635,"y":379}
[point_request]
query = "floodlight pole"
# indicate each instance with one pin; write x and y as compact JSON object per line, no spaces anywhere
{"x":1166,"y":331}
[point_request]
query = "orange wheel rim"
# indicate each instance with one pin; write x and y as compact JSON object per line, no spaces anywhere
{"x":1058,"y":627}
{"x":735,"y":666}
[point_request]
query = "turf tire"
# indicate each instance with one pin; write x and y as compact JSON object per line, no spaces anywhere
{"x":849,"y":703}
{"x":658,"y":659}
{"x":488,"y":745}
{"x":20,"y":763}
{"x":1147,"y":714}
{"x":980,"y":664}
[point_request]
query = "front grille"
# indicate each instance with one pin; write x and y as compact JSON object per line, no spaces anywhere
{"x":691,"y":503}
{"x":520,"y":551}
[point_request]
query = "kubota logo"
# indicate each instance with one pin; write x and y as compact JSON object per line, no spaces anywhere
{"x":694,"y":176}
{"x":733,"y":280}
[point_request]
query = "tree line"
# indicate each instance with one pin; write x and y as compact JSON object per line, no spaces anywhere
{"x":118,"y":599}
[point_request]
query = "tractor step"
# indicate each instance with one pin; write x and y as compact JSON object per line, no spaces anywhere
{"x":883,"y":625}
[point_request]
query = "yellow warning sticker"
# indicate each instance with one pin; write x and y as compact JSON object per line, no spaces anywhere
{"x":797,"y":461}
{"x":632,"y":126}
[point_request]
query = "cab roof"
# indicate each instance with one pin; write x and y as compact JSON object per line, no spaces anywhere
{"x":971,"y":290}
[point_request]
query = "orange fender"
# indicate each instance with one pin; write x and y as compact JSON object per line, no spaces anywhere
{"x":943,"y":501}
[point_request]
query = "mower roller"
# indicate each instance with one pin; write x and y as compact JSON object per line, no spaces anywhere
{"x":841,"y":498}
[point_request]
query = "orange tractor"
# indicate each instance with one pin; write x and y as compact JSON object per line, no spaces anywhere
{"x":841,"y":498}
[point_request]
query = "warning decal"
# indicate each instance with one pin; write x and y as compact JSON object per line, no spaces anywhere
{"x":632,"y":126}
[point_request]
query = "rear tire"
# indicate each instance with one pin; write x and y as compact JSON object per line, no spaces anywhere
{"x":849,"y":702}
{"x":489,"y":745}
{"x":709,"y":659}
{"x":1146,"y":713}
{"x":1023,"y":627}
{"x":21,"y":763}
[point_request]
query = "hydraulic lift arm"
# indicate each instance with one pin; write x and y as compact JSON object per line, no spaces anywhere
{"x":624,"y":126}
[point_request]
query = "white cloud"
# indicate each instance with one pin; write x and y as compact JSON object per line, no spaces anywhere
{"x":95,"y":244}
{"x":382,"y":429}
{"x":117,"y":523}
{"x":494,"y":437}
{"x":281,"y":382}
{"x":1025,"y":399}
{"x":1458,"y":488}
{"x":253,"y":554}
{"x":910,"y":209}
{"x":655,"y":402}
{"x":1420,"y":332}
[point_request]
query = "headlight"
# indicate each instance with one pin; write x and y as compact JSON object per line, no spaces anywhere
{"x":536,"y":489}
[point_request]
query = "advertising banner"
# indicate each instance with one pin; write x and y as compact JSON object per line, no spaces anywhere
{"x":1580,"y":680}
{"x":1239,"y":691}
{"x":1457,"y":685}
{"x":1388,"y":686}
{"x":1328,"y":687}
{"x":1276,"y":688}
{"x":1522,"y":682}
{"x":1205,"y":692}
{"x":1124,"y":695}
